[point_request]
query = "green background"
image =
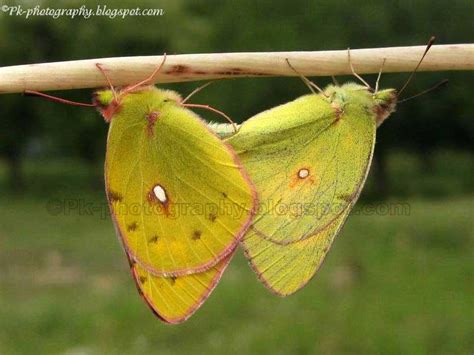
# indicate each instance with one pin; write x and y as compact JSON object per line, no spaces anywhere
{"x":392,"y":283}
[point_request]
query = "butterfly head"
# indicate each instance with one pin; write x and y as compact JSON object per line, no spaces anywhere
{"x":385,"y":103}
{"x":110,"y":102}
{"x":104,"y":97}
{"x":354,"y":97}
{"x":106,"y":102}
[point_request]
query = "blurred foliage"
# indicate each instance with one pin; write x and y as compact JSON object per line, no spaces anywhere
{"x":32,"y":126}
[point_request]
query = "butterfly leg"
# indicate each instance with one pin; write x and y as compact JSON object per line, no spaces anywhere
{"x":210,"y":108}
{"x":378,"y":77}
{"x":308,"y":82}
{"x":195,"y":91}
{"x":149,"y":79}
{"x":104,"y":73}
{"x":353,"y":71}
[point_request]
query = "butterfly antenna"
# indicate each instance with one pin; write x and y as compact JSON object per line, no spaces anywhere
{"x":334,"y":80}
{"x":379,"y":76}
{"x":57,"y":99}
{"x":107,"y":78}
{"x":308,"y":82}
{"x":354,"y":72}
{"x":437,"y":86}
{"x":195,"y":91}
{"x":210,"y":108}
{"x":428,"y":46}
{"x":149,"y":79}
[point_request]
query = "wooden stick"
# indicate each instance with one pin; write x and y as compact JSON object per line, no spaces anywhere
{"x":81,"y":74}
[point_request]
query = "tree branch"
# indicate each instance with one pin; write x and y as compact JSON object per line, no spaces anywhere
{"x":81,"y":74}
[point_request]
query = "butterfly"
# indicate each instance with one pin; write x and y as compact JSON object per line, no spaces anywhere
{"x":309,"y":160}
{"x":179,"y":197}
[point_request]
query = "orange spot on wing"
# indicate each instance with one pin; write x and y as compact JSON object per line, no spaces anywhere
{"x":163,"y":206}
{"x":301,"y":176}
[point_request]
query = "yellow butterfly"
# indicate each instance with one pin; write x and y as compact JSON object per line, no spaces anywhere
{"x":309,"y":160}
{"x":179,"y":197}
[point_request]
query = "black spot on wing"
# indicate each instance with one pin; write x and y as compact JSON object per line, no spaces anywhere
{"x":154,"y":239}
{"x":132,"y":227}
{"x":196,"y":235}
{"x":115,"y":196}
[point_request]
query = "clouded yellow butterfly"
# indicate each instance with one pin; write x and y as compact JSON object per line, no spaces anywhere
{"x":309,"y":160}
{"x":178,"y":195}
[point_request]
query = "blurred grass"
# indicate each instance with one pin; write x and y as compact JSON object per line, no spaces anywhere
{"x":391,"y":283}
{"x":448,"y":173}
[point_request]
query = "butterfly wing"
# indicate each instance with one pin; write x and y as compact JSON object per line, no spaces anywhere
{"x":175,"y":299}
{"x":178,"y":195}
{"x":308,"y":160}
{"x":284,"y":269}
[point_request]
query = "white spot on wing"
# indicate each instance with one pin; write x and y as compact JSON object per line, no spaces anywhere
{"x":303,"y":173}
{"x":160,"y":193}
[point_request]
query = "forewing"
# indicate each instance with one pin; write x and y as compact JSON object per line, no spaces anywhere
{"x":308,"y":161}
{"x":178,"y":195}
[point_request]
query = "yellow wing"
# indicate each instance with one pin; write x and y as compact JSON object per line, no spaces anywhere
{"x":308,"y":160}
{"x":179,"y":196}
{"x":175,"y":299}
{"x":284,"y":269}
